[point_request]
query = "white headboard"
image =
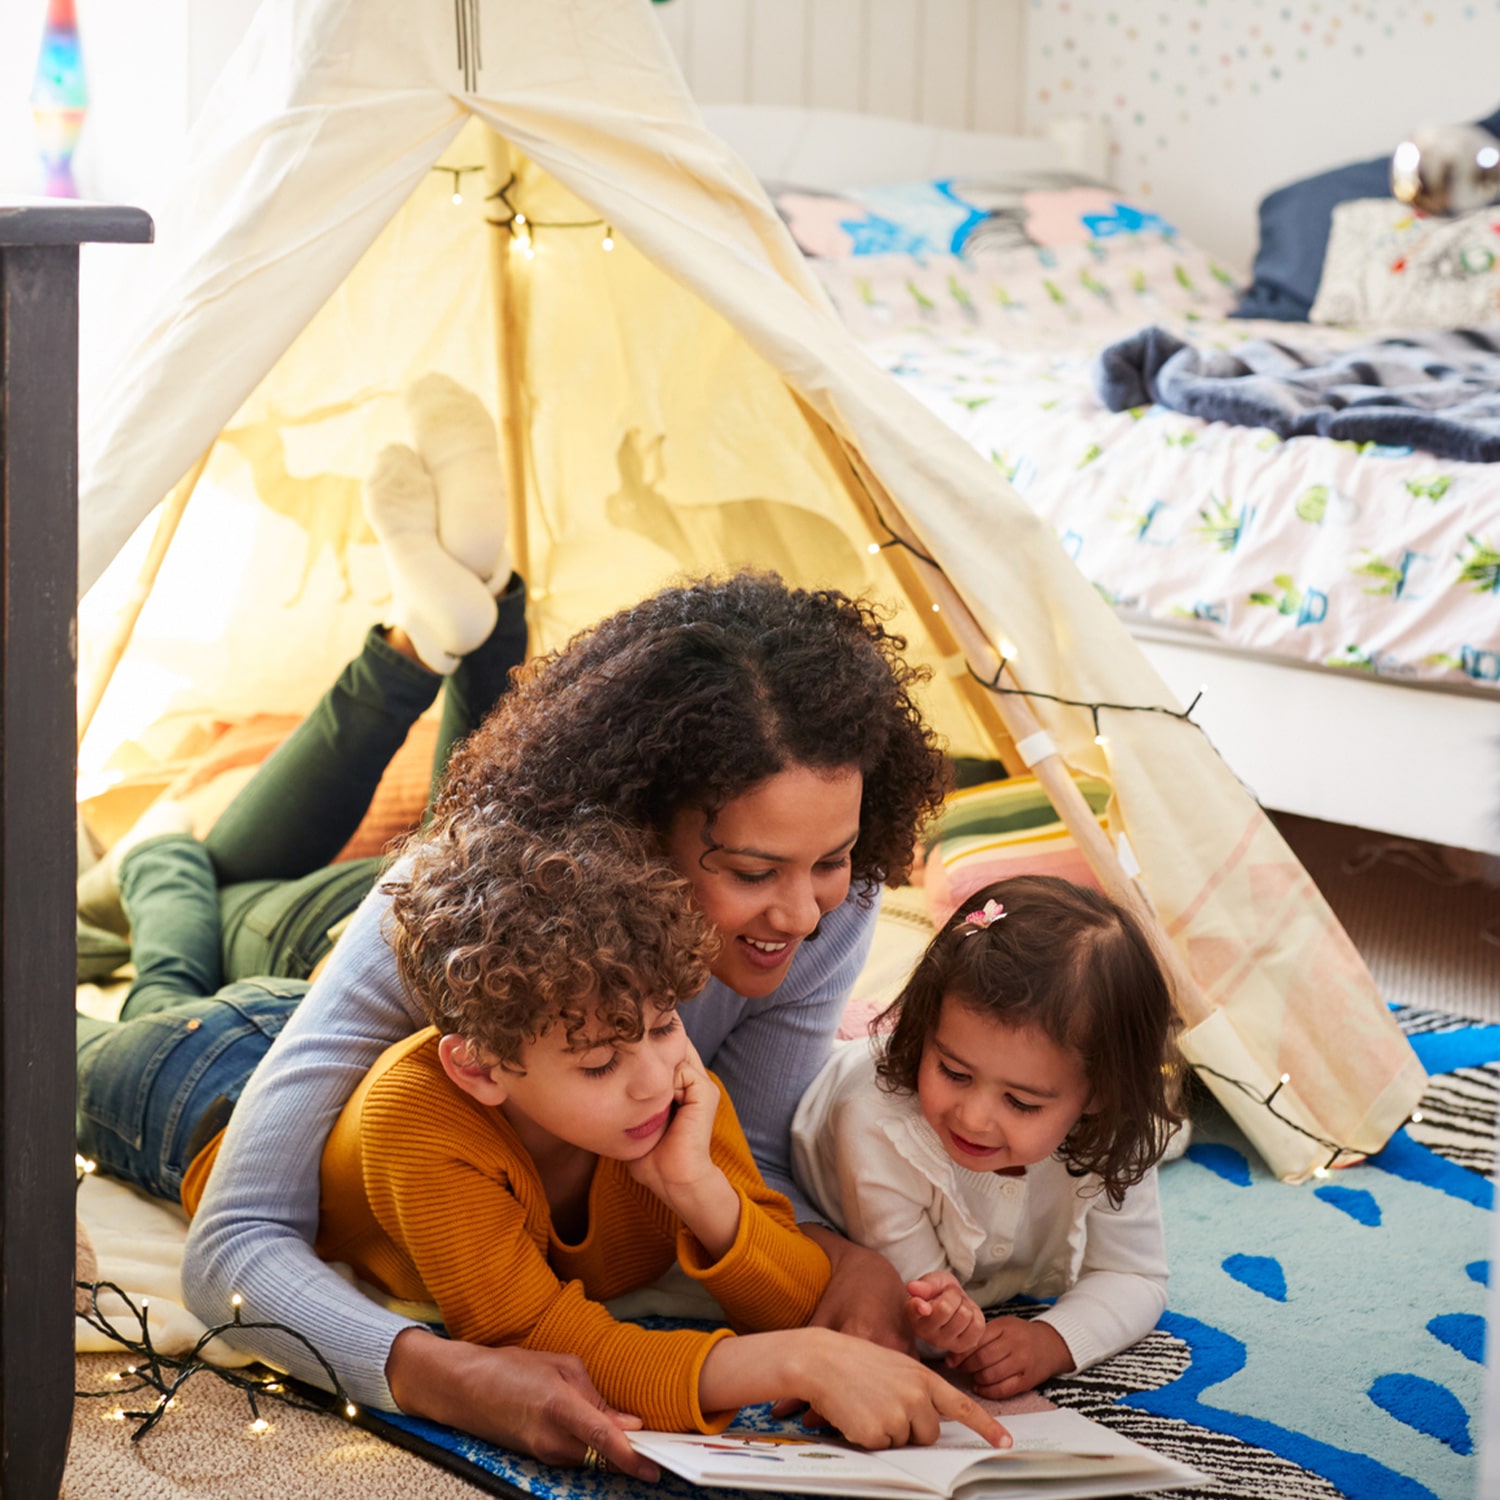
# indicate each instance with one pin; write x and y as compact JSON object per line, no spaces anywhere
{"x":959,"y":64}
{"x":831,"y":148}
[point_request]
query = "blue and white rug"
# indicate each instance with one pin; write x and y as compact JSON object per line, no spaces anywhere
{"x":1321,"y":1341}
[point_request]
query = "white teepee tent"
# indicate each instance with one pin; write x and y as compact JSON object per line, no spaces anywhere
{"x":679,"y":401}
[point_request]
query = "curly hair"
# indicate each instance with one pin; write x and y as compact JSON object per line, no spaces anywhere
{"x":501,"y":933}
{"x":700,"y":693}
{"x":1069,"y":962}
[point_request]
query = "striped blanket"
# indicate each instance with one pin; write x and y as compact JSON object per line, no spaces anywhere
{"x":1439,"y":391}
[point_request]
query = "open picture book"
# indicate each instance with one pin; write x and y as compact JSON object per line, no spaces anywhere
{"x":1057,"y":1455}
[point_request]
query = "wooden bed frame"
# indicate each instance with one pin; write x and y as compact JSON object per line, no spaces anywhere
{"x":1418,"y":762}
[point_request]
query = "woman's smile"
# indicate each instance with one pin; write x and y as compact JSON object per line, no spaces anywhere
{"x":768,"y":866}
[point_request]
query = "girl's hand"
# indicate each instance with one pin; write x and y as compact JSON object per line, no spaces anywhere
{"x":1015,"y":1355}
{"x":943,"y":1314}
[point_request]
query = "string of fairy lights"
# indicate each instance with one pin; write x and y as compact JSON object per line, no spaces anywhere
{"x":164,"y":1375}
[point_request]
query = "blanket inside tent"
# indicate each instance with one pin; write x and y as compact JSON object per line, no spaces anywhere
{"x":530,"y":204}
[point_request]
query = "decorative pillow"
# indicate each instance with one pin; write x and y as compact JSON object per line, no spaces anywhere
{"x":992,"y":832}
{"x":1391,"y":265}
{"x":1294,"y":230}
{"x":976,"y":218}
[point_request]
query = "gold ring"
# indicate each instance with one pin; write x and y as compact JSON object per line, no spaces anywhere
{"x":594,"y":1459}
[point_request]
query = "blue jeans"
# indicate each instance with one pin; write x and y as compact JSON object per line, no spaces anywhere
{"x":145,"y":1084}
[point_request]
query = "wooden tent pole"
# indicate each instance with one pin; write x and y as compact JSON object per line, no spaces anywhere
{"x":166,"y":528}
{"x":513,"y":422}
{"x":951,"y":621}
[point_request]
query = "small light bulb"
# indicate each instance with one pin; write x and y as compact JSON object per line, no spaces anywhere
{"x":1101,"y":740}
{"x":458,"y":197}
{"x":271,"y":1386}
{"x":1320,"y":1171}
{"x":608,"y":242}
{"x":1416,"y":1117}
{"x":529,"y":252}
{"x":937,"y":609}
{"x":1008,"y":649}
{"x":260,"y":1425}
{"x":117,"y":1415}
{"x":873,"y":549}
{"x":1286,"y":1077}
{"x":350,"y":1409}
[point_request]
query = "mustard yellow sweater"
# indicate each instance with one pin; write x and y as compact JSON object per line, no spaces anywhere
{"x":430,"y":1194}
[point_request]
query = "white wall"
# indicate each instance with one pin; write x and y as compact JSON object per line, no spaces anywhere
{"x":148,"y":64}
{"x":1211,"y":103}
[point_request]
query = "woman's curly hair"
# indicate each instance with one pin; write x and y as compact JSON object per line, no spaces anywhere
{"x":501,"y":933}
{"x":1067,"y":961}
{"x":695,"y":696}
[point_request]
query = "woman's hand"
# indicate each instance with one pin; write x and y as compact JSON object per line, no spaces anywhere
{"x":680,"y":1168}
{"x":1015,"y":1355}
{"x":944,"y":1315}
{"x":876,"y":1397}
{"x":537,"y":1403}
{"x":865,"y":1296}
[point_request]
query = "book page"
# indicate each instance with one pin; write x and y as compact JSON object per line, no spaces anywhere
{"x":1047,"y":1445}
{"x":772,"y":1461}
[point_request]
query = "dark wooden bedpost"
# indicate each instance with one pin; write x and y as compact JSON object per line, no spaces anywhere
{"x":38,"y":710}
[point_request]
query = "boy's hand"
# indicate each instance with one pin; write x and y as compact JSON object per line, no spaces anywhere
{"x":1015,"y":1355}
{"x":881,"y":1399}
{"x":680,"y":1168}
{"x":680,"y":1160}
{"x":943,"y":1314}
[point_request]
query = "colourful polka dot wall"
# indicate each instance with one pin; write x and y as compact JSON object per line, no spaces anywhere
{"x":1152,"y":70}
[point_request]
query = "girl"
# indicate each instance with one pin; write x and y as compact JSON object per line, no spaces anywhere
{"x":766,"y":741}
{"x":1000,"y":1139}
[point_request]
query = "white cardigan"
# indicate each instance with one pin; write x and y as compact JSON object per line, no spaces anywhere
{"x":875,"y":1166}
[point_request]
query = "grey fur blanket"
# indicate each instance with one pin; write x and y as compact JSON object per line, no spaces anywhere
{"x":1439,"y":391}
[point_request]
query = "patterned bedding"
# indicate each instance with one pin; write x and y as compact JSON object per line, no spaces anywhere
{"x":1376,"y":559}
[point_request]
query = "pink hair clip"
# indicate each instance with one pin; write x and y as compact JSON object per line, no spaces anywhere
{"x":977,"y":921}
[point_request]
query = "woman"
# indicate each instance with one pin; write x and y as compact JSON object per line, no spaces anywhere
{"x":768,"y":737}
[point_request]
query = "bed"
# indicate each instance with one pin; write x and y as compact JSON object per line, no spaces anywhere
{"x":1335,"y":604}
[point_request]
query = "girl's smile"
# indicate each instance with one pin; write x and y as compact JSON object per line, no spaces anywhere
{"x":768,"y":867}
{"x":1001,"y":1098}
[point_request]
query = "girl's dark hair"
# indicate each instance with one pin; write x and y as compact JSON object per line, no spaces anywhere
{"x":697,"y":695}
{"x":1067,"y":961}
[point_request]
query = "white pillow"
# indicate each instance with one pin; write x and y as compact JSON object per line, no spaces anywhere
{"x":1388,"y":264}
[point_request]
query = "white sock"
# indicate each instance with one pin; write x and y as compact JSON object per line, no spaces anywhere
{"x":440,"y":604}
{"x":456,"y":439}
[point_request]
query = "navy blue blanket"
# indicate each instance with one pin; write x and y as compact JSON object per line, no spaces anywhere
{"x":1439,"y":391}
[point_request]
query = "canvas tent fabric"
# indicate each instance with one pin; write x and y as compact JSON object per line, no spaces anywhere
{"x":682,"y":402}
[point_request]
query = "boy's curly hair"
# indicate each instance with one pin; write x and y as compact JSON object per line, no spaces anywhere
{"x":501,"y":933}
{"x":695,"y":696}
{"x":1076,"y":966}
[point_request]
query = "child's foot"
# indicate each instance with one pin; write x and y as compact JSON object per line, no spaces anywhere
{"x":440,"y":603}
{"x":456,"y":439}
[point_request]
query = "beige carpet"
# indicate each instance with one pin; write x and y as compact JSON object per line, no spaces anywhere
{"x":1426,"y":925}
{"x":204,"y":1447}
